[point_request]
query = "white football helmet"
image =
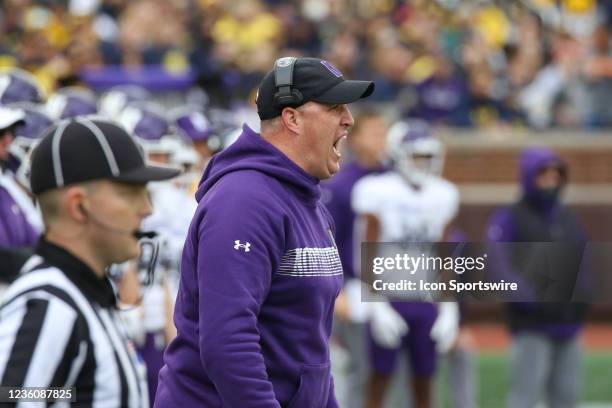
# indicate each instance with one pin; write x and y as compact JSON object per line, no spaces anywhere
{"x":113,"y":101}
{"x":17,"y":85}
{"x":415,"y":152}
{"x":148,"y":124}
{"x":70,"y":102}
{"x":27,"y":135}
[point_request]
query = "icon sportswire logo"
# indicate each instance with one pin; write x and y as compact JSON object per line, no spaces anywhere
{"x":238,"y":245}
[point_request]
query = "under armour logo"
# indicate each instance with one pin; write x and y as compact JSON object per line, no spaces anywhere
{"x":238,"y":245}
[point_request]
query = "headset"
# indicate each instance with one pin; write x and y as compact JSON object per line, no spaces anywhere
{"x":149,"y":247}
{"x":285,"y":95}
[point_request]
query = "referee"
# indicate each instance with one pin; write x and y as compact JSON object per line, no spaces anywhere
{"x":58,"y":321}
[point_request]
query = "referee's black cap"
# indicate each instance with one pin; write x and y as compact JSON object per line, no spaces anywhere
{"x":90,"y":148}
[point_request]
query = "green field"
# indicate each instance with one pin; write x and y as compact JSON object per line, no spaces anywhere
{"x":493,"y":379}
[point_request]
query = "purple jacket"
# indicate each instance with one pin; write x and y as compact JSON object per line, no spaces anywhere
{"x":259,"y":277}
{"x":337,"y":198}
{"x":539,"y":218}
{"x":15,"y":229}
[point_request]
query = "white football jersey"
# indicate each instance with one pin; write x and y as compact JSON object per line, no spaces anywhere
{"x":405,"y":213}
{"x":173,"y":209}
{"x":172,"y":213}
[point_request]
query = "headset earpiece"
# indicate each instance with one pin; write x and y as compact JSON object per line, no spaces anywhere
{"x":285,"y":94}
{"x":292,"y":99}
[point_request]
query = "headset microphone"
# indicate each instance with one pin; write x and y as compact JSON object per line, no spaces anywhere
{"x":149,"y":248}
{"x":138,"y":234}
{"x":144,"y":234}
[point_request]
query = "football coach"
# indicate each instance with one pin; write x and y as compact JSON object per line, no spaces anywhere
{"x":260,"y":270}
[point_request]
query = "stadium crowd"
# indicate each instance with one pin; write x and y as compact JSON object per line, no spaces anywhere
{"x":457,"y":63}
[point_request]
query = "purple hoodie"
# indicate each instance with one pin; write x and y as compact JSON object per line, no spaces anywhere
{"x":532,"y":161}
{"x":556,"y":320}
{"x":259,"y":277}
{"x":15,"y":229}
{"x":337,"y":199}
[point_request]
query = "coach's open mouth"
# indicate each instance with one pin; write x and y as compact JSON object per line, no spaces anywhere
{"x":336,"y":147}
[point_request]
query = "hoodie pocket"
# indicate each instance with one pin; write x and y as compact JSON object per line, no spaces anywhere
{"x":313,"y":390}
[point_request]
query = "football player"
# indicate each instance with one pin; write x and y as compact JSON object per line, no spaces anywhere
{"x":200,"y":134}
{"x":27,"y":134}
{"x":113,"y":101}
{"x":414,"y":204}
{"x":366,"y":155}
{"x":151,"y":324}
{"x":70,"y":102}
{"x":17,"y":85}
{"x":20,"y":221}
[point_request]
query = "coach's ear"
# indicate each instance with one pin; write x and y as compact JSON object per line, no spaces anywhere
{"x":290,"y":119}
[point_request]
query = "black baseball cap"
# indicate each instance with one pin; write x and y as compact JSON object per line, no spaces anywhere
{"x":318,"y":81}
{"x":85,"y":149}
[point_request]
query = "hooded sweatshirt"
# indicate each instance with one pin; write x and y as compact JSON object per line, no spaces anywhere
{"x":17,"y":226}
{"x":337,"y":198}
{"x":540,"y":217}
{"x":259,"y":276}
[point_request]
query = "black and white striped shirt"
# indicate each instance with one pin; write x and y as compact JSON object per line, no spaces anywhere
{"x":59,"y":328}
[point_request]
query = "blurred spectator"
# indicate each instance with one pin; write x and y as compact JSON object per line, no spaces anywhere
{"x":459,"y":63}
{"x":391,"y":65}
{"x":16,"y":226}
{"x":143,"y":40}
{"x":598,"y":72}
{"x":443,"y":97}
{"x":546,"y":349}
{"x":561,"y":74}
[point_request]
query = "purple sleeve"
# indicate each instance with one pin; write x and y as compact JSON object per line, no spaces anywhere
{"x":15,"y":230}
{"x":32,"y":236}
{"x":4,"y":239}
{"x":331,"y":399}
{"x":5,"y":216}
{"x":500,"y":227}
{"x":240,"y":244}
